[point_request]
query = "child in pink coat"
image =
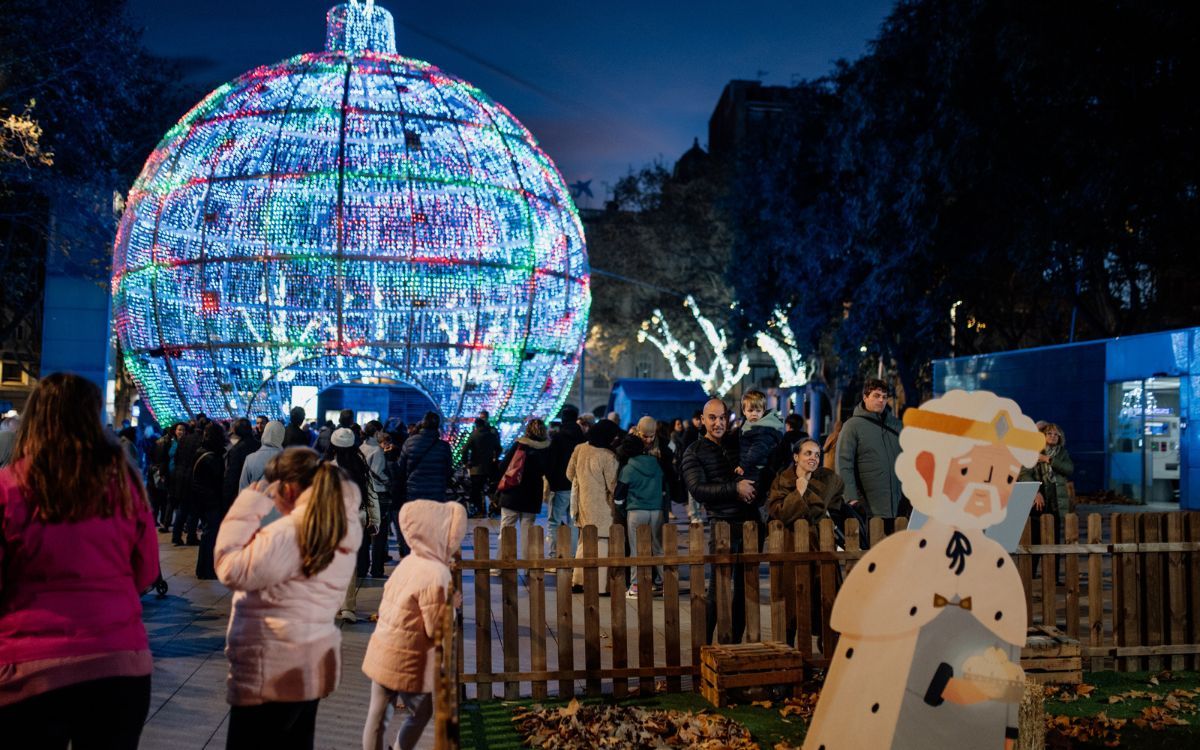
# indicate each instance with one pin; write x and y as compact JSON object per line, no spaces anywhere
{"x":401,"y":658}
{"x":288,"y":578}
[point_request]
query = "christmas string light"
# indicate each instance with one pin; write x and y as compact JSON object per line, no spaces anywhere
{"x":780,"y":346}
{"x":351,"y":216}
{"x":722,"y":373}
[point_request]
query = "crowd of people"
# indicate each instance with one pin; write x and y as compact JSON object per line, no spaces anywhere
{"x":290,"y":529}
{"x":292,"y":518}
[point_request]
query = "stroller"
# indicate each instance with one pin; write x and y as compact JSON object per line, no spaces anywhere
{"x":459,"y":491}
{"x":159,"y":587}
{"x":840,"y":515}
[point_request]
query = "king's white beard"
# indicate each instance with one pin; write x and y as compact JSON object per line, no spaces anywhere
{"x":955,"y":514}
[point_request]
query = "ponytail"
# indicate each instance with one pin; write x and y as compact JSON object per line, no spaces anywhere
{"x":324,"y":523}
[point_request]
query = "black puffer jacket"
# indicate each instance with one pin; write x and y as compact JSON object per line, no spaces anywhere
{"x":185,"y":461}
{"x":295,"y":434}
{"x":235,"y":459}
{"x":426,"y":464}
{"x":208,"y":475}
{"x":708,"y":474}
{"x":481,"y":451}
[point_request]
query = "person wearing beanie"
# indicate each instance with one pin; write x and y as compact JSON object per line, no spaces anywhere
{"x":344,"y":454}
{"x":640,"y":487}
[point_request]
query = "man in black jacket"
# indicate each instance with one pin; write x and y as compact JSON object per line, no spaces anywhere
{"x":235,"y":459}
{"x":481,"y":455}
{"x":562,"y":445}
{"x":295,"y":434}
{"x":708,"y":473}
{"x":186,"y":518}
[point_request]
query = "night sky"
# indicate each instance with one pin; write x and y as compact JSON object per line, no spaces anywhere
{"x":604,"y":87}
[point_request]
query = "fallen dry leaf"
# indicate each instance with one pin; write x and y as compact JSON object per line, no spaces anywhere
{"x":579,"y":727}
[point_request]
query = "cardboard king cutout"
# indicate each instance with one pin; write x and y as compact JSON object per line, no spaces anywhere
{"x":932,"y":621}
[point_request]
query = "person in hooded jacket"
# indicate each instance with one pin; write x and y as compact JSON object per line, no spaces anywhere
{"x":78,"y":547}
{"x":519,"y":505}
{"x":593,"y":473}
{"x":758,"y":436}
{"x":401,"y":658}
{"x":255,"y":466}
{"x":288,"y":578}
{"x":208,"y":496}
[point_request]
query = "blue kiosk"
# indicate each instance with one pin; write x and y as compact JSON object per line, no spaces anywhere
{"x":633,"y":398}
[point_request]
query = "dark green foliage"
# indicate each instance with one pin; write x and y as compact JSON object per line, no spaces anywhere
{"x":1030,"y":160}
{"x":102,"y":103}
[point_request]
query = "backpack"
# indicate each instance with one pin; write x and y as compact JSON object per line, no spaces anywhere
{"x":514,"y":473}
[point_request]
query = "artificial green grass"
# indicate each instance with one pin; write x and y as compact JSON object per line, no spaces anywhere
{"x":1108,"y":684}
{"x":488,"y":725}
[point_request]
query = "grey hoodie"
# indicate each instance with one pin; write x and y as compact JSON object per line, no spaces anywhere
{"x":256,"y":463}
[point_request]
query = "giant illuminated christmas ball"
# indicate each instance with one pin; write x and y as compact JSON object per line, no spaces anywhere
{"x":350,"y":216}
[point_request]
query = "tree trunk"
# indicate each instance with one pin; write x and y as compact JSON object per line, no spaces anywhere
{"x":1031,"y":718}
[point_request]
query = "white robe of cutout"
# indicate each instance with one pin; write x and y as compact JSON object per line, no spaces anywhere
{"x":885,"y":601}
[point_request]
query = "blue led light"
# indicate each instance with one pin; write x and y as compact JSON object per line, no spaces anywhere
{"x":351,"y":216}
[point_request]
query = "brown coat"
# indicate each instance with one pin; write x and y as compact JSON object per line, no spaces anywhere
{"x":824,"y":493}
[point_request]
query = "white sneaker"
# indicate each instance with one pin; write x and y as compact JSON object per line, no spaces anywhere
{"x":347,"y":615}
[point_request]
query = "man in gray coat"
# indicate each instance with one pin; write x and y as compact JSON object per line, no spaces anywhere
{"x":866,"y":455}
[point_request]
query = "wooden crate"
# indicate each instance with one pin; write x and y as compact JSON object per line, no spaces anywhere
{"x":748,"y":668}
{"x":1050,"y":657}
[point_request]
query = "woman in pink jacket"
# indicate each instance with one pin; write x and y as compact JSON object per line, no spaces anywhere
{"x":289,"y":577}
{"x":401,"y":659}
{"x":77,"y":548}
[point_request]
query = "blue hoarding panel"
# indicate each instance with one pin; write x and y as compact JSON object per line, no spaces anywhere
{"x":76,"y":328}
{"x":1061,"y":384}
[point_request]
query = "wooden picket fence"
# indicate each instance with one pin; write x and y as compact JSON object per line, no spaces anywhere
{"x":1131,"y":591}
{"x":1130,"y":594}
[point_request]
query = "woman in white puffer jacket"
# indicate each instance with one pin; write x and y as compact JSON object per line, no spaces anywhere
{"x":289,"y":578}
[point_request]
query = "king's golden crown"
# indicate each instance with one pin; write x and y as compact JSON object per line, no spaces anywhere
{"x":1000,"y":430}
